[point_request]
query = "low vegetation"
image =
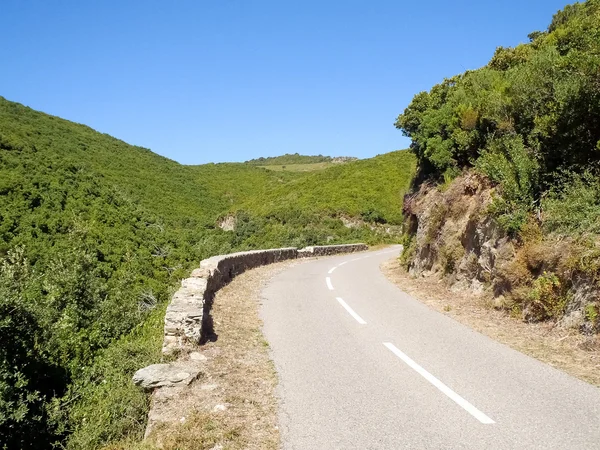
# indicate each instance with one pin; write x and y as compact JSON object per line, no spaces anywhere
{"x":94,"y":236}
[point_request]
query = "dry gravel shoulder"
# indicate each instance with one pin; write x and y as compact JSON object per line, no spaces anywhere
{"x":233,"y":405}
{"x":568,"y":350}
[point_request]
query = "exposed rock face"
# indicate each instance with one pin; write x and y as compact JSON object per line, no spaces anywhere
{"x":343,"y":159}
{"x":585,"y":293}
{"x":351,"y":222}
{"x":454,"y":237}
{"x":228,"y":223}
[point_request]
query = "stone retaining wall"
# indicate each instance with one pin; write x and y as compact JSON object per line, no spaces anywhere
{"x":324,"y":250}
{"x":188,"y":321}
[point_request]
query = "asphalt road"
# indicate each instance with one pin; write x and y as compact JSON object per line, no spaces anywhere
{"x":362,"y":365}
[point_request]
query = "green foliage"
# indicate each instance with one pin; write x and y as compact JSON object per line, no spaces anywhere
{"x":592,"y":313}
{"x":508,"y":163}
{"x":288,"y":159}
{"x":573,"y":206}
{"x":450,"y":255}
{"x":435,"y":222}
{"x":27,"y":377}
{"x":376,"y":184}
{"x":535,"y":107}
{"x":109,"y":406}
{"x":409,"y":244}
{"x":545,"y":299}
{"x":94,"y":235}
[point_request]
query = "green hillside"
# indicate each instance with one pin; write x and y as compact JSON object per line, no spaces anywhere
{"x":94,"y":236}
{"x":529,"y":120}
{"x":361,"y":188}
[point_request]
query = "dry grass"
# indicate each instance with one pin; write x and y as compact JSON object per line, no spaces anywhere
{"x":564,"y":349}
{"x":233,"y":405}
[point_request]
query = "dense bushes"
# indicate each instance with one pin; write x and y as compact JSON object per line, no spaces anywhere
{"x":532,"y":112}
{"x":529,"y":123}
{"x":81,"y":265}
{"x":572,"y":207}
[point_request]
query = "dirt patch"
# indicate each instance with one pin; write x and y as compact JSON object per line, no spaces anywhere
{"x":233,"y":404}
{"x":569,"y":350}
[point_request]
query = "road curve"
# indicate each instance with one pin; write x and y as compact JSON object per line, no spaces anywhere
{"x":362,"y":365}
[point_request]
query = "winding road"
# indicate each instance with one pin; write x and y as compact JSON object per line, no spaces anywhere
{"x":362,"y":365}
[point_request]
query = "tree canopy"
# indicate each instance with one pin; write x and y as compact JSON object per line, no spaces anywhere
{"x":533,"y":111}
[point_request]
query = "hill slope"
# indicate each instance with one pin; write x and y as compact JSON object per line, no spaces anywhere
{"x":94,"y":233}
{"x":515,"y":149}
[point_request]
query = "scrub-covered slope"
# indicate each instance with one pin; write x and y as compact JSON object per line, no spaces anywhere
{"x":95,"y":233}
{"x":510,"y":154}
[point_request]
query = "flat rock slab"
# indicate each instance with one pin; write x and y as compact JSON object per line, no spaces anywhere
{"x":180,"y":373}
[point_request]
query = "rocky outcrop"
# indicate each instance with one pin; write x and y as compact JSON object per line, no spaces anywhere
{"x":180,"y":373}
{"x":452,"y":235}
{"x":227,"y":223}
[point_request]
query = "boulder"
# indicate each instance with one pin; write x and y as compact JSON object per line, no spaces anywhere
{"x":173,"y":374}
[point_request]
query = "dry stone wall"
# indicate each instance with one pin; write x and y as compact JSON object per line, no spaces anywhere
{"x":324,"y":250}
{"x":188,"y":321}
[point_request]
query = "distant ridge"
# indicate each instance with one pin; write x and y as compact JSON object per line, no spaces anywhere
{"x":296,"y":158}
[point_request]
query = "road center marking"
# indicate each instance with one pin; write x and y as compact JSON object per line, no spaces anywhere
{"x":329,"y":285}
{"x":332,"y":269}
{"x":351,"y":311}
{"x":441,"y":386}
{"x":342,"y":263}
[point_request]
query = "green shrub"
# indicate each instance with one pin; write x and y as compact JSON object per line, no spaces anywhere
{"x":450,"y":255}
{"x":546,"y":299}
{"x":508,"y":163}
{"x":573,"y":207}
{"x":107,"y":406}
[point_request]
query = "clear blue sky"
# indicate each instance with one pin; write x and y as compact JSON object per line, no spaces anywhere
{"x":229,"y":80}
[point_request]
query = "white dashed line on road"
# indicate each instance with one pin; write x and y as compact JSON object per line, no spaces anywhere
{"x":351,"y":311}
{"x":441,"y":386}
{"x":329,"y":285}
{"x":332,"y":269}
